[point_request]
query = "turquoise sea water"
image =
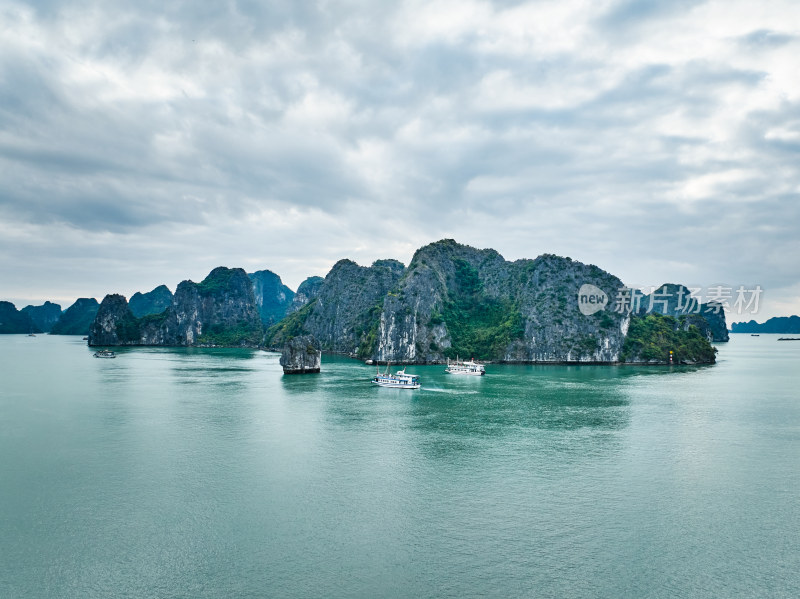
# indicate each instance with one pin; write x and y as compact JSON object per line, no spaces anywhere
{"x":207,"y":473}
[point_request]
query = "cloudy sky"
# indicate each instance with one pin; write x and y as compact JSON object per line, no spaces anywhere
{"x":147,"y":142}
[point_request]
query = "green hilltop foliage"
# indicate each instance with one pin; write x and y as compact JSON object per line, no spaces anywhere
{"x":480,"y":327}
{"x":651,"y":337}
{"x":218,"y":281}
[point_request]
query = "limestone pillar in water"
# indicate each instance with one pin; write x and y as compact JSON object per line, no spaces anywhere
{"x":301,"y":355}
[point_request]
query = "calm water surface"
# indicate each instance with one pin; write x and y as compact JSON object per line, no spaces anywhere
{"x":207,"y":473}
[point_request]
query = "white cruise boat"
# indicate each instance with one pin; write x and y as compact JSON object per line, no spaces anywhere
{"x":105,"y":353}
{"x":398,"y":380}
{"x":471,"y":368}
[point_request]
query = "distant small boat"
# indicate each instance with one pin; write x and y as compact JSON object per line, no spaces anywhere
{"x":398,"y":380}
{"x":31,"y":335}
{"x":471,"y":368}
{"x":788,"y":338}
{"x":755,"y":335}
{"x":105,"y":353}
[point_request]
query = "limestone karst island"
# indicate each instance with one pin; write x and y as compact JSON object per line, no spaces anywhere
{"x":451,"y":300}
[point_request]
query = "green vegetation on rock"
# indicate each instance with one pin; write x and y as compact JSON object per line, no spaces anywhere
{"x":651,"y":337}
{"x":220,"y":311}
{"x":452,"y":301}
{"x":218,"y":281}
{"x":44,"y":316}
{"x":243,"y":333}
{"x":77,"y":319}
{"x":128,"y":328}
{"x":480,"y":326}
{"x":368,"y":332}
{"x":152,"y":302}
{"x":291,"y":326}
{"x":14,"y":321}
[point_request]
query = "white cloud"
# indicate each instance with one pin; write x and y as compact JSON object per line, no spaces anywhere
{"x":283,"y":135}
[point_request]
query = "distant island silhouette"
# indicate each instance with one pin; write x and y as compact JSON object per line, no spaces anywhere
{"x":784,"y":325}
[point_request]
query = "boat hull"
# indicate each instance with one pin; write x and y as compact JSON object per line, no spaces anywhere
{"x":466,"y":372}
{"x":397,"y":385}
{"x":471,"y":368}
{"x":399,"y":380}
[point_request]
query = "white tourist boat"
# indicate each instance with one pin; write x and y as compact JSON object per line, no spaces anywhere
{"x":398,"y":380}
{"x":105,"y":353}
{"x":471,"y":368}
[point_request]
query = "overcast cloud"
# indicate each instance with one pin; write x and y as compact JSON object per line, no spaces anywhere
{"x":146,"y":143}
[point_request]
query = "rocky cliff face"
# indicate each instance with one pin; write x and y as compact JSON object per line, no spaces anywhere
{"x":676,"y":301}
{"x":458,"y":301}
{"x":115,"y":323}
{"x":308,"y":291}
{"x":152,"y":302}
{"x":657,"y":339}
{"x":13,"y":321}
{"x":301,"y":355}
{"x":45,"y":316}
{"x":345,"y":307}
{"x":219,"y":311}
{"x":77,"y":319}
{"x":452,"y":301}
{"x":455,"y":300}
{"x":272,"y":297}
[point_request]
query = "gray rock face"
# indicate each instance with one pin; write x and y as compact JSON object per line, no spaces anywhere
{"x":346,"y":306}
{"x":301,"y":355}
{"x":115,"y":323}
{"x":219,"y":311}
{"x":308,"y":291}
{"x":45,"y":316}
{"x":152,"y":302}
{"x":272,"y":297}
{"x":675,"y":300}
{"x":457,"y":300}
{"x":432,"y":313}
